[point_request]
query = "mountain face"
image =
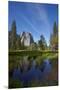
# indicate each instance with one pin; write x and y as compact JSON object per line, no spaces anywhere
{"x":26,"y":38}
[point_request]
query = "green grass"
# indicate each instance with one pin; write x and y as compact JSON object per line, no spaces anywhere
{"x":30,"y":52}
{"x":14,"y":58}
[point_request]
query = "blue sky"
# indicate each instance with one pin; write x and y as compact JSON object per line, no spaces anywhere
{"x":33,"y":17}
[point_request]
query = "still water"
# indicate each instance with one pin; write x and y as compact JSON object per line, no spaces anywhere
{"x":34,"y":73}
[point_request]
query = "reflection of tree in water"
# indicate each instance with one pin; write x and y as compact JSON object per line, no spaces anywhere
{"x":28,"y":68}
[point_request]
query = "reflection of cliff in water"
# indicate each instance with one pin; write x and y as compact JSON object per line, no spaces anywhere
{"x":26,"y":74}
{"x":35,"y":69}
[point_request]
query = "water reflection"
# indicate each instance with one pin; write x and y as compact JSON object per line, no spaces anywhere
{"x":33,"y":73}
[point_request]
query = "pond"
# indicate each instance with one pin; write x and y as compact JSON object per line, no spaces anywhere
{"x":31,"y":72}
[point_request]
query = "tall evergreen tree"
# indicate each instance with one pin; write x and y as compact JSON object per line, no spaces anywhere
{"x":55,"y":29}
{"x":42,"y":43}
{"x":54,"y":38}
{"x":13,"y":35}
{"x":18,"y":42}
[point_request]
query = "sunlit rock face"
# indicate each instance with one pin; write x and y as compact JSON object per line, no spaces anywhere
{"x":26,"y":38}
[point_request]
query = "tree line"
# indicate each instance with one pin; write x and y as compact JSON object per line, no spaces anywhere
{"x":15,"y":40}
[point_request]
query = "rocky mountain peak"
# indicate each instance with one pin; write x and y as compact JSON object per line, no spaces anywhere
{"x":26,"y":38}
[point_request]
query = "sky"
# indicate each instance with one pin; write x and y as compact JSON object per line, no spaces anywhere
{"x":36,"y":18}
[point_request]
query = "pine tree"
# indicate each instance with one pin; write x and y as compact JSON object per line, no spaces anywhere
{"x":42,"y":43}
{"x":54,"y":38}
{"x":13,"y":35}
